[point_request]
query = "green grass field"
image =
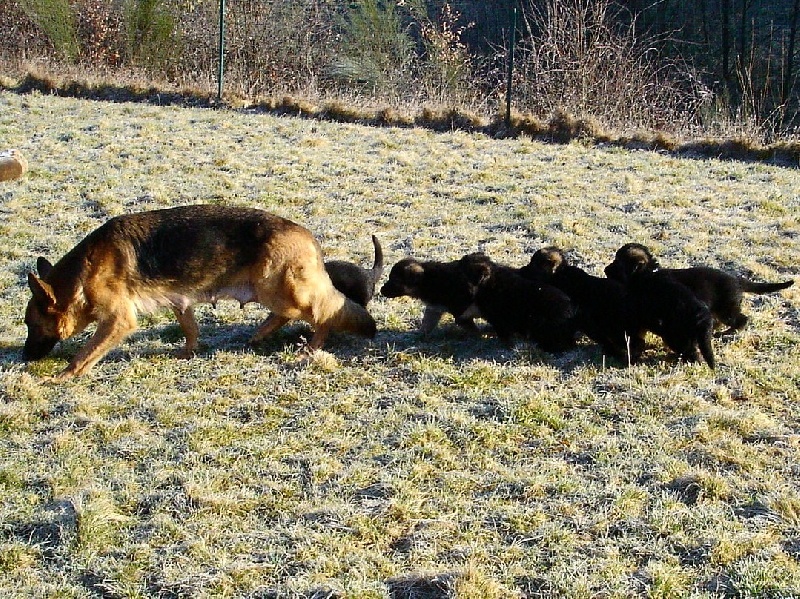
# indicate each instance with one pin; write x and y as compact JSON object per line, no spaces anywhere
{"x":408,"y":466}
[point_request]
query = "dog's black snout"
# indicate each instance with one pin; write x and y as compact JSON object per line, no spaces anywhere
{"x":37,"y":349}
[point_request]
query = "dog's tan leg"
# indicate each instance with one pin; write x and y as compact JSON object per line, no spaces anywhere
{"x":269,"y":326}
{"x":110,"y":332}
{"x":190,"y":330}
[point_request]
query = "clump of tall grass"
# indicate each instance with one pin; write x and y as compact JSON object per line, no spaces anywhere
{"x":57,"y":22}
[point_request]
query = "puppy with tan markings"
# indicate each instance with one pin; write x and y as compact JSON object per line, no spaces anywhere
{"x":601,"y":303}
{"x":355,"y":282}
{"x":441,"y":286}
{"x":178,"y":257}
{"x":617,"y":315}
{"x":661,"y":304}
{"x":514,"y":305}
{"x":720,"y":291}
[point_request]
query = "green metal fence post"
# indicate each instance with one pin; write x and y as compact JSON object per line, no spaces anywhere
{"x":512,"y":43}
{"x":221,"y":49}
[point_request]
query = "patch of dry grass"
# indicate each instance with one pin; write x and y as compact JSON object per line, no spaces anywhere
{"x":429,"y":467}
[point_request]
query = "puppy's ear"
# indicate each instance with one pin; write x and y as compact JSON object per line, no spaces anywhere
{"x":640,"y":264}
{"x":555,"y":261}
{"x":639,"y":258}
{"x":43,"y":266}
{"x":549,"y":262}
{"x":540,"y":264}
{"x":414,"y":271}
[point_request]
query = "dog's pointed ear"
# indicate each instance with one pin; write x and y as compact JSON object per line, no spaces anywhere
{"x":43,"y":266}
{"x":42,"y":292}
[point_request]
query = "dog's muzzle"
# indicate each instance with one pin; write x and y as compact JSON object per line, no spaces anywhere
{"x":36,"y":349}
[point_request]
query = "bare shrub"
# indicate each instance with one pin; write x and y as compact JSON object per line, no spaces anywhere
{"x":277,"y":46}
{"x":99,"y":32}
{"x":198,"y":24}
{"x":20,"y":36}
{"x":756,"y":113}
{"x":575,"y":59}
{"x":446,"y":67}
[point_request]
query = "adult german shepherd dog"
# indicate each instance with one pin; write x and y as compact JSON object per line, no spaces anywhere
{"x":177,"y":257}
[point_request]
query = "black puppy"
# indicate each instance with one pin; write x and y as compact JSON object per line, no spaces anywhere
{"x":355,"y":282}
{"x":515,"y":305}
{"x":602,"y":303}
{"x":442,"y":286}
{"x":720,"y":291}
{"x":661,"y":304}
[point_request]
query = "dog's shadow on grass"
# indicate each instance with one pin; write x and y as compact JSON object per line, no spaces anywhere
{"x":158,"y":340}
{"x":10,"y":355}
{"x":447,"y":341}
{"x":233,"y":337}
{"x":451,"y":342}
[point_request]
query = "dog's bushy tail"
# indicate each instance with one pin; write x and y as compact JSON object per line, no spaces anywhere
{"x":353,"y":318}
{"x":753,"y":287}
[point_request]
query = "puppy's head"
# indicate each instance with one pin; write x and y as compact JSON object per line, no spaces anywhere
{"x":630,"y":260}
{"x":477,"y":268}
{"x":405,"y":278}
{"x":544,"y":263}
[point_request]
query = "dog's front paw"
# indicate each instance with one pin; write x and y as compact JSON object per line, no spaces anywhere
{"x":62,"y":376}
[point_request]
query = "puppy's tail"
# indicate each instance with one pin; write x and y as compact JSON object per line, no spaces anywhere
{"x":377,"y":265}
{"x":753,"y":287}
{"x":353,"y":318}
